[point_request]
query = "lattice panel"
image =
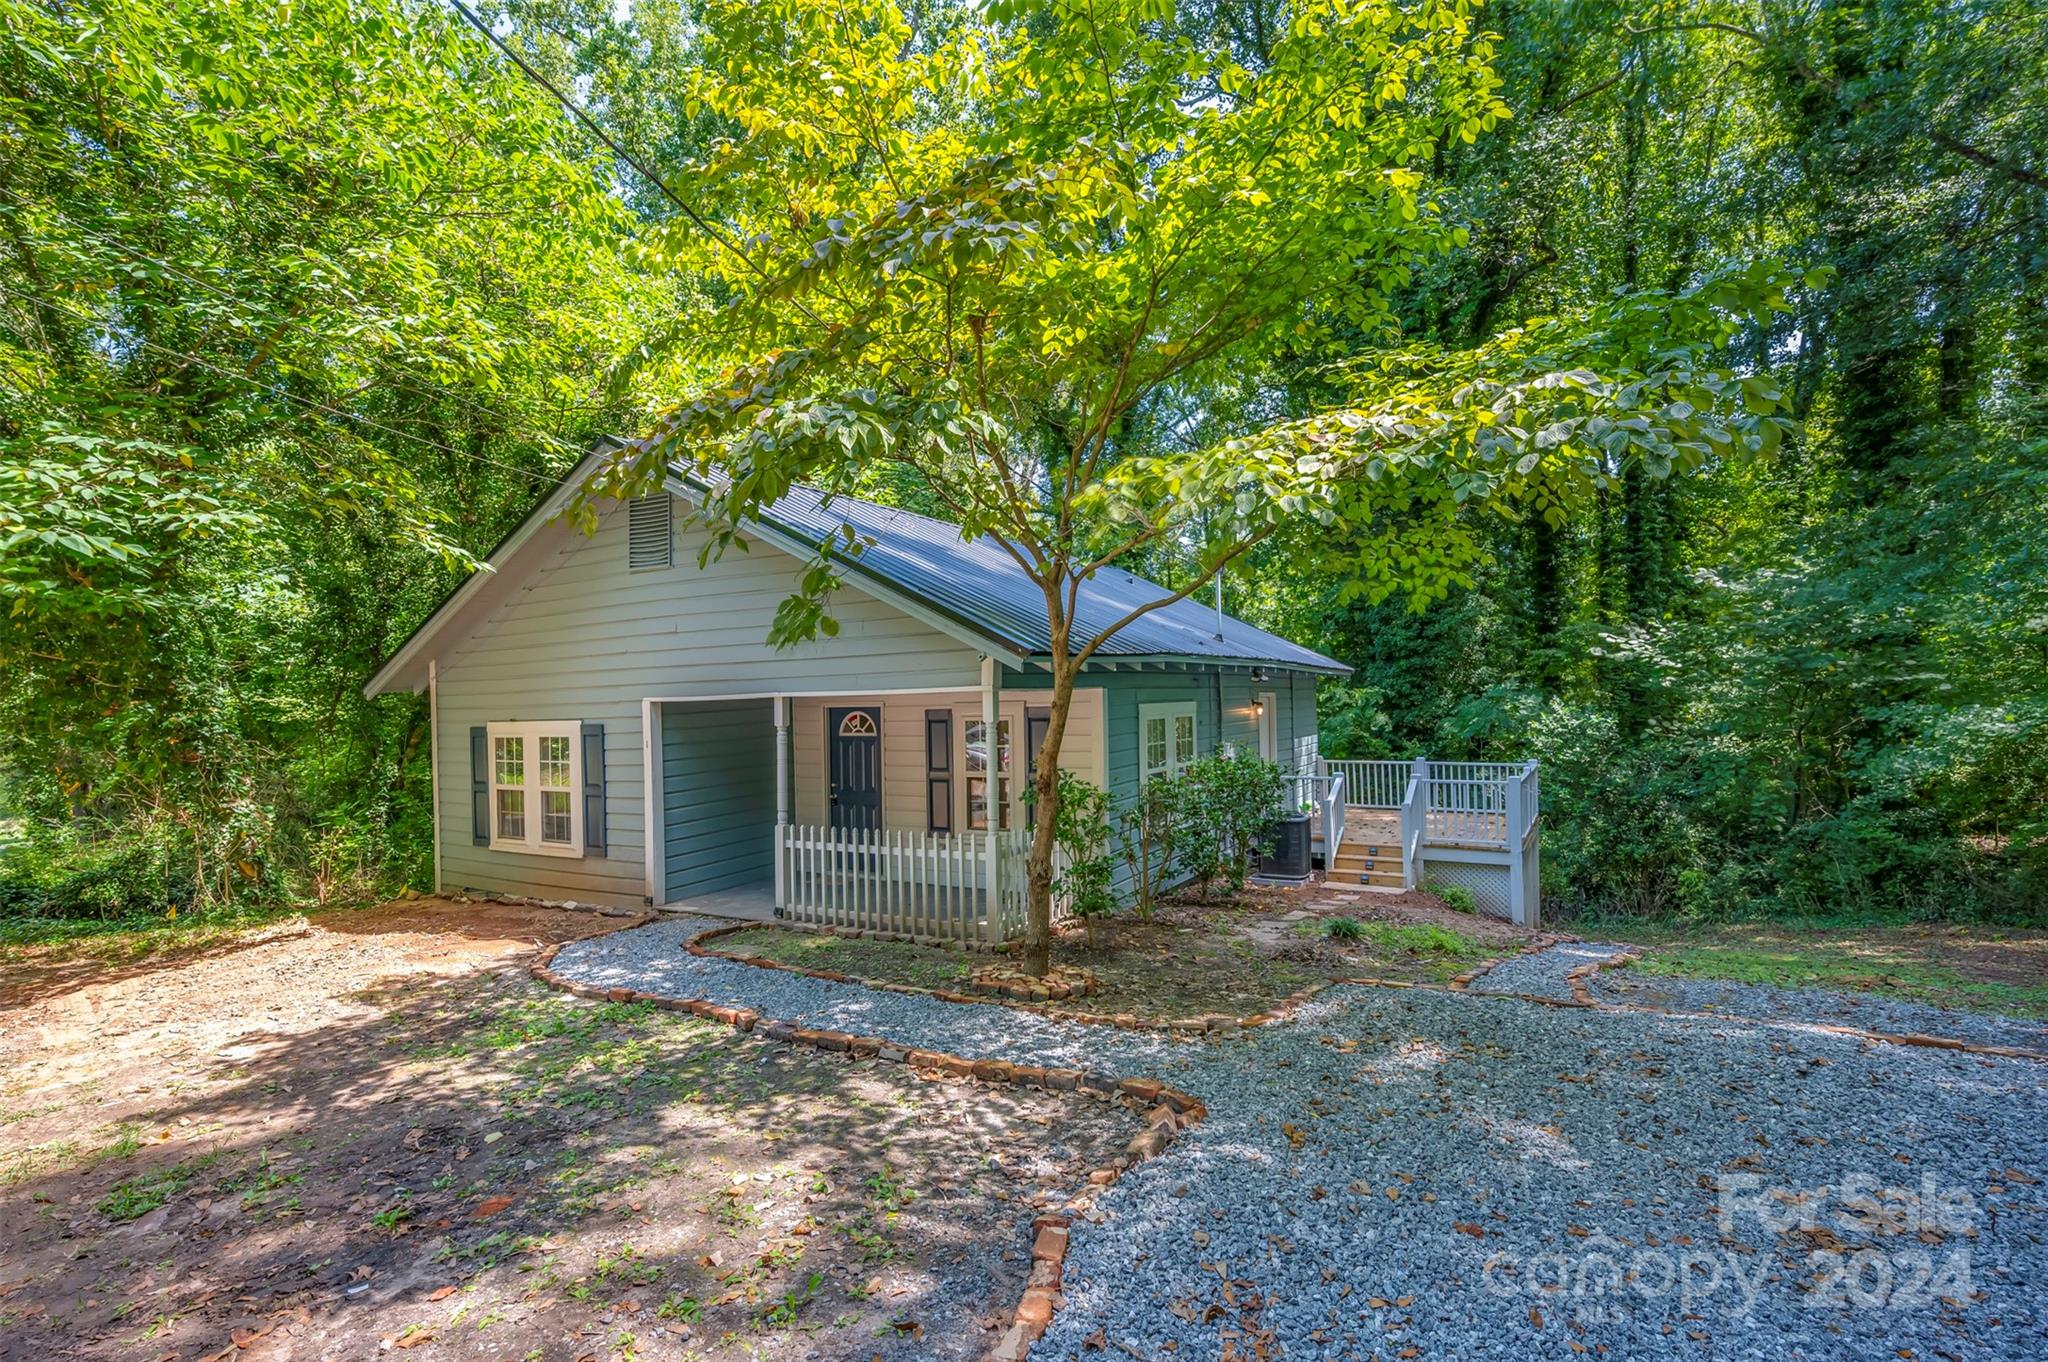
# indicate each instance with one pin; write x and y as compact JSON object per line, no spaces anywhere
{"x":1488,"y":883}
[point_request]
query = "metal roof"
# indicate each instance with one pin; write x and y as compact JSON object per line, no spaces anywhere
{"x":977,"y":583}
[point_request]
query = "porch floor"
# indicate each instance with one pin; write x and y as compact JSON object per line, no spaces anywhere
{"x":753,"y":902}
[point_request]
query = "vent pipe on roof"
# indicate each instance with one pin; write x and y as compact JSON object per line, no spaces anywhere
{"x":1219,"y":605}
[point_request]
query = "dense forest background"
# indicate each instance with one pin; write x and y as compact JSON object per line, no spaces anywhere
{"x":301,"y":308}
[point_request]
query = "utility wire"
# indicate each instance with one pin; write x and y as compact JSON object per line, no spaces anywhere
{"x":284,"y":393}
{"x":716,"y":233}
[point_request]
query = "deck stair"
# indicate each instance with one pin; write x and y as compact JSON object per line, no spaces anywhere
{"x":1370,"y":853}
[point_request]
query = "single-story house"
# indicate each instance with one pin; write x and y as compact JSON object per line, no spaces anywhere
{"x":610,"y":724}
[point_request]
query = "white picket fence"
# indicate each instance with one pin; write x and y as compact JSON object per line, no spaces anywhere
{"x":931,"y":886}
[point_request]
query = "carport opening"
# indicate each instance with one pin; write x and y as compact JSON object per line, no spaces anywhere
{"x":717,"y":799}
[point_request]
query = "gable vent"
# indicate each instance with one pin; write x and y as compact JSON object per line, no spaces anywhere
{"x":650,"y":531}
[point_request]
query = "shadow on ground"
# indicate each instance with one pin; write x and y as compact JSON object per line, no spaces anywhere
{"x":483,"y":1168}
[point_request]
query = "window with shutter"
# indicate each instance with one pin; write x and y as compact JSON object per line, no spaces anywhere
{"x":532,"y":788}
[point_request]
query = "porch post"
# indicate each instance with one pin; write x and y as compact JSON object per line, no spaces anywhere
{"x":781,"y":799}
{"x":1419,"y":772}
{"x":991,"y":686}
{"x":1518,"y":887}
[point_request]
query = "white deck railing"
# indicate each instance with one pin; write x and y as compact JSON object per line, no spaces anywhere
{"x":1491,"y":809}
{"x":1373,"y":784}
{"x":1463,"y":802}
{"x":931,"y":886}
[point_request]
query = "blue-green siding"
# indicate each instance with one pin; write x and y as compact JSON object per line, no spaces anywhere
{"x":717,"y":795}
{"x":1223,"y":713}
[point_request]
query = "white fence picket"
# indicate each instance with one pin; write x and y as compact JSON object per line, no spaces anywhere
{"x":931,"y":886}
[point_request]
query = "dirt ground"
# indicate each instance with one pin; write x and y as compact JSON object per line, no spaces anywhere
{"x":1191,"y":959}
{"x":372,"y":1132}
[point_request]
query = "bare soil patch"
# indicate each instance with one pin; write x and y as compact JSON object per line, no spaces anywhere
{"x":373,"y":1132}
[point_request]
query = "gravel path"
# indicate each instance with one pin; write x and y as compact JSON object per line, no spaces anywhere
{"x":1868,"y":1011}
{"x":1396,"y":1170}
{"x":1543,"y":973}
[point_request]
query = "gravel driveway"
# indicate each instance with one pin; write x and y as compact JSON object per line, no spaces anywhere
{"x":1415,"y":1174}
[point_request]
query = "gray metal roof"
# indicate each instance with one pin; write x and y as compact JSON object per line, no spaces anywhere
{"x":978,"y":584}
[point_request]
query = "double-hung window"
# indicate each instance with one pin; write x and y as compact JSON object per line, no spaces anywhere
{"x":534,"y":803}
{"x":977,"y":766}
{"x":1166,"y":738}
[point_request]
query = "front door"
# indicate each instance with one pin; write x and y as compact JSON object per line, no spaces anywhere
{"x":855,"y":739}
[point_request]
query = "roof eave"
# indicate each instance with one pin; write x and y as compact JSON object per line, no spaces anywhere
{"x":1134,"y":661}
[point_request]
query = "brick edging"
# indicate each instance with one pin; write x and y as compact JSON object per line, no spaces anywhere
{"x":1207,"y":1024}
{"x":1167,"y":1111}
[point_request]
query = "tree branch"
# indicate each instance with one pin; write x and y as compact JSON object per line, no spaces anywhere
{"x":1977,"y":155}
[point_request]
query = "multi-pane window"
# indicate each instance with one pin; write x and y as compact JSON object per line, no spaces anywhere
{"x":557,"y":798}
{"x":1166,"y":738}
{"x":977,"y":767}
{"x":508,"y":781}
{"x":534,"y":795}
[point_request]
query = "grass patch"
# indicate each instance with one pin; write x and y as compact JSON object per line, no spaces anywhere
{"x":1424,"y":940}
{"x":1975,"y":969}
{"x":133,"y":1198}
{"x":124,"y":941}
{"x":923,"y":966}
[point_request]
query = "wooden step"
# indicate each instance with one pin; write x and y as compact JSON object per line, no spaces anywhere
{"x":1347,"y":855}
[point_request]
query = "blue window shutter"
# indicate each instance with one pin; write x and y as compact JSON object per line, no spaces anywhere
{"x":480,"y":785}
{"x":593,"y":789}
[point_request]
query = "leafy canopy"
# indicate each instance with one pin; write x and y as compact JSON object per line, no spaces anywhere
{"x":977,"y":252}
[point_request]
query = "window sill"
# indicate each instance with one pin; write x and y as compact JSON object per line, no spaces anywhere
{"x":543,"y":849}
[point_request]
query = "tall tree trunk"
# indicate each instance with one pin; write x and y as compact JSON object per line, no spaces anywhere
{"x":1045,"y":779}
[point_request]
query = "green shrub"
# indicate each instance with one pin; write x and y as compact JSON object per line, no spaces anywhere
{"x":1147,"y":834}
{"x":1087,"y":871}
{"x":1227,"y":805}
{"x":1343,"y":928}
{"x":146,"y":874}
{"x":1457,"y":897}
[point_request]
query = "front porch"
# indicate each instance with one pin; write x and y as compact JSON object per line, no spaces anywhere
{"x":888,"y":811}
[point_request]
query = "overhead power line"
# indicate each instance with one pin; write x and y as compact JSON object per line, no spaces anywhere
{"x":576,"y":111}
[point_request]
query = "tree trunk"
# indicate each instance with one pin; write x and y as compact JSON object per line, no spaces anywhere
{"x":1038,"y":866}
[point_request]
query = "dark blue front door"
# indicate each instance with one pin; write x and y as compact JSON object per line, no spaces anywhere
{"x":854,"y":737}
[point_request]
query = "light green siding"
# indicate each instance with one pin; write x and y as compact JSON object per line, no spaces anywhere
{"x":718,"y":795}
{"x":571,"y":634}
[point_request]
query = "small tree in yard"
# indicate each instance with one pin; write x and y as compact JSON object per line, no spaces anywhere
{"x":980,"y":252}
{"x":1086,"y":875}
{"x":1148,"y":832}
